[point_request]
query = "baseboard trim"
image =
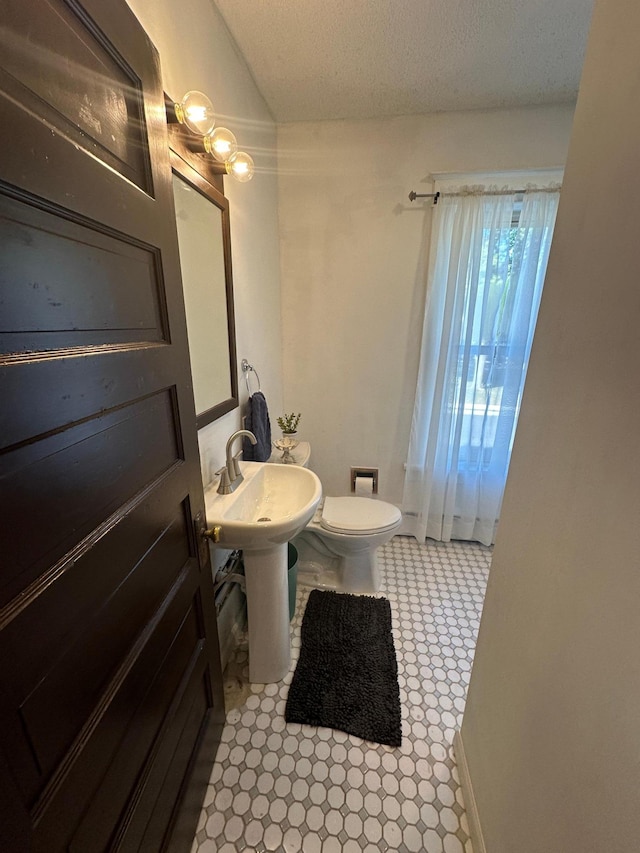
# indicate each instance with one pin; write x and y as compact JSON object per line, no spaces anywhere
{"x":475,"y":829}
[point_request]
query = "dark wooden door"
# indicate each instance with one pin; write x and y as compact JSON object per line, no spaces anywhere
{"x":110,"y":696}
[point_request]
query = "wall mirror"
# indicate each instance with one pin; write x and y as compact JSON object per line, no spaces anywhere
{"x":202,"y":218}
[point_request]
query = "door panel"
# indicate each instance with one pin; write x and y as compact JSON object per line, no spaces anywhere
{"x":86,"y":89}
{"x":72,"y":385}
{"x":110,"y":665}
{"x":177,"y":723}
{"x":144,"y":830}
{"x":84,"y":287}
{"x":127,"y":723}
{"x":106,"y":460}
{"x":71,"y":687}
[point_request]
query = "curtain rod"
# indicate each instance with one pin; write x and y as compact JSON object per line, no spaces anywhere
{"x":435,"y":196}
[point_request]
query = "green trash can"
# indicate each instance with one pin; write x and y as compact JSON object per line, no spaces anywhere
{"x":292,"y":565}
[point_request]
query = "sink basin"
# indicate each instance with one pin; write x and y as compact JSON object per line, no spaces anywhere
{"x":269,"y":508}
{"x":271,"y":505}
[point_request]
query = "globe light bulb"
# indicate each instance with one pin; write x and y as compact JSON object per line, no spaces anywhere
{"x":195,"y":111}
{"x":221,"y":144}
{"x":240,"y":166}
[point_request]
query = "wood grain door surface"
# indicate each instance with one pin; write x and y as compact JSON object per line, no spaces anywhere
{"x":110,"y":695}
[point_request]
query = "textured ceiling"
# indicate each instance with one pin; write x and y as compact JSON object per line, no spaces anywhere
{"x":323,"y":59}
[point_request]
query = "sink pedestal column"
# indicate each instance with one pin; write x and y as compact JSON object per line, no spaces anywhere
{"x":268,"y":614}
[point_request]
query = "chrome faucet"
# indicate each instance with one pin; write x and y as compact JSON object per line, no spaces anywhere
{"x":231,"y":475}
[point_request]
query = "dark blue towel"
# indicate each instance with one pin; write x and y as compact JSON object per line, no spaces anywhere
{"x":257,"y":421}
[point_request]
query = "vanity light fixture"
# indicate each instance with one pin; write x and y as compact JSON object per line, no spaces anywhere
{"x":221,"y":144}
{"x":195,"y":111}
{"x":240,"y":166}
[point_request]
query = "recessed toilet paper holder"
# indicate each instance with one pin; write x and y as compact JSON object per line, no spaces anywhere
{"x":365,"y":472}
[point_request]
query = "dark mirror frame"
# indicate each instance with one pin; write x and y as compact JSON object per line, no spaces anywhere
{"x":205,"y":177}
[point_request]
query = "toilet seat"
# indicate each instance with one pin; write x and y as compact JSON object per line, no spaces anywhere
{"x":358,"y":516}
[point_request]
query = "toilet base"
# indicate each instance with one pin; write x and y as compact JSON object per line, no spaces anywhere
{"x":318,"y":567}
{"x":360,"y":573}
{"x":316,"y":575}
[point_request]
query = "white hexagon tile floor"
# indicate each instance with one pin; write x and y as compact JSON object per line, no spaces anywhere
{"x":290,"y":787}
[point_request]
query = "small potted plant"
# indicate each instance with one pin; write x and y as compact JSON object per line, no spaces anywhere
{"x":289,"y":424}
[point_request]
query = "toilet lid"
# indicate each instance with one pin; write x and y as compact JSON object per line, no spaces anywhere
{"x":358,"y":515}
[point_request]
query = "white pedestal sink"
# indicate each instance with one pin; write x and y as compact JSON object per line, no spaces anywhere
{"x":271,"y":505}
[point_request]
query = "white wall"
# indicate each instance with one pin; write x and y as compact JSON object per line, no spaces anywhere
{"x":552,"y":725}
{"x":353,"y":267}
{"x":197,"y":52}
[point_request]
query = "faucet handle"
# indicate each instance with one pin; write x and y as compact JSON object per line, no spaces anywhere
{"x":224,"y":486}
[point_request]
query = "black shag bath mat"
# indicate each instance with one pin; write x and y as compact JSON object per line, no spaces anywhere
{"x":347,"y":674}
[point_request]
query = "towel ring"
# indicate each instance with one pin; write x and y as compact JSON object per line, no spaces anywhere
{"x":247,"y":369}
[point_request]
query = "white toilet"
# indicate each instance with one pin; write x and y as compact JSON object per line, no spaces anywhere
{"x":338,"y":548}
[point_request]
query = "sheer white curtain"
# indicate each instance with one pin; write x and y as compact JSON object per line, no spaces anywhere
{"x":488,"y":260}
